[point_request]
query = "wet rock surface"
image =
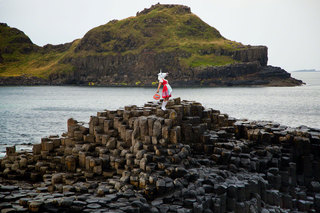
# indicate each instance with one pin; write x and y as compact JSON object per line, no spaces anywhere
{"x":185,"y":159}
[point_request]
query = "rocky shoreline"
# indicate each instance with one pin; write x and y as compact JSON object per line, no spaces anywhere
{"x":23,"y":81}
{"x":245,"y":74}
{"x":186,"y":159}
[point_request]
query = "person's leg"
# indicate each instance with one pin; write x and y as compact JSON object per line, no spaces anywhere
{"x":163,"y":106}
{"x":164,"y":103}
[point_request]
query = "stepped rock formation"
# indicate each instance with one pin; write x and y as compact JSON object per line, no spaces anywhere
{"x":130,"y":52}
{"x":185,"y":159}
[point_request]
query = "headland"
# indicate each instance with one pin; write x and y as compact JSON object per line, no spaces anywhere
{"x":130,"y":52}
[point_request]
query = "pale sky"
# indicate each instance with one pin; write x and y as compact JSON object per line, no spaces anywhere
{"x":289,"y":28}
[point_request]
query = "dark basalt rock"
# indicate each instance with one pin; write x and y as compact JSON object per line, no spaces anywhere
{"x":105,"y":72}
{"x":1,"y":58}
{"x":185,"y":159}
{"x":23,"y":80}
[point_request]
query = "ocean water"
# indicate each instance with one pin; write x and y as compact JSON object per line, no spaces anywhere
{"x":29,"y":113}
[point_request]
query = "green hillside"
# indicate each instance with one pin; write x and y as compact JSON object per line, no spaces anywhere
{"x":22,"y":57}
{"x":161,"y":28}
{"x":14,"y":43}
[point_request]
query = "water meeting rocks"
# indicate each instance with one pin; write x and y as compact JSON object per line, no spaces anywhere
{"x":185,"y":159}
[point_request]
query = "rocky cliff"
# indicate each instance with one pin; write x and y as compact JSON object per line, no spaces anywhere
{"x":186,"y":159}
{"x":130,"y":52}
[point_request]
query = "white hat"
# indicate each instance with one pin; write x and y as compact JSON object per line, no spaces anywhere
{"x":161,"y":75}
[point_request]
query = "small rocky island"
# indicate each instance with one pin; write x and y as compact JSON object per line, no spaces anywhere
{"x":185,"y":159}
{"x":130,"y":52}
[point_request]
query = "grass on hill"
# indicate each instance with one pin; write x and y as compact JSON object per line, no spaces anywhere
{"x":37,"y":64}
{"x":162,"y":29}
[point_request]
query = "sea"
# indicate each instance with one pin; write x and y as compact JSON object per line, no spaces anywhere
{"x":28,"y":113}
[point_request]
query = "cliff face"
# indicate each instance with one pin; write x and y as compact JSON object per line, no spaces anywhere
{"x":141,"y":70}
{"x":258,"y":53}
{"x":130,"y":52}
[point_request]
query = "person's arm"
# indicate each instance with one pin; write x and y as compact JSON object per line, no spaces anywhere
{"x":159,"y":87}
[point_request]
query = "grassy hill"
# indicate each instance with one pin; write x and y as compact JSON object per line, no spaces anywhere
{"x":23,"y":58}
{"x":158,"y":29}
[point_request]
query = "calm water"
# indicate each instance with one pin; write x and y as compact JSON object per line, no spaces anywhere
{"x":29,"y":113}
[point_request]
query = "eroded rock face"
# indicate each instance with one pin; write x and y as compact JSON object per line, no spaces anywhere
{"x":23,"y":80}
{"x":185,"y":159}
{"x":253,"y":53}
{"x":140,"y":70}
{"x":242,"y":74}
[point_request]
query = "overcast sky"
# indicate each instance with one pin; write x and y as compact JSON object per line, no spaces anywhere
{"x":289,"y":28}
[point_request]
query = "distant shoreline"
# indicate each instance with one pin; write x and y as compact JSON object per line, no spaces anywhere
{"x":311,"y":70}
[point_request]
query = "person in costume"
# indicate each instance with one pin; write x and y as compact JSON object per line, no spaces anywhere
{"x":166,"y":90}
